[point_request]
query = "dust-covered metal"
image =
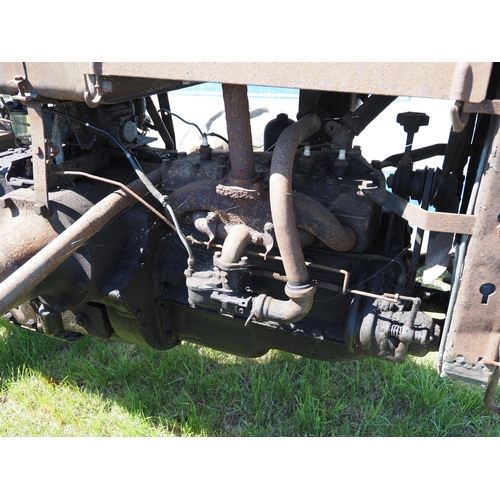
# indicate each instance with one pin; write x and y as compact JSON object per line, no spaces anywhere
{"x":17,"y":286}
{"x":490,"y":392}
{"x":40,"y":158}
{"x":312,"y":214}
{"x":430,"y":221}
{"x":488,"y":106}
{"x":239,"y":132}
{"x":475,"y":326}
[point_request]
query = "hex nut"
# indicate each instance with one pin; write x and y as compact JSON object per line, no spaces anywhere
{"x":40,"y":209}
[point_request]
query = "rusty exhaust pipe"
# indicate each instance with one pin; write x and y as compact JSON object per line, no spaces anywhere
{"x":239,"y":133}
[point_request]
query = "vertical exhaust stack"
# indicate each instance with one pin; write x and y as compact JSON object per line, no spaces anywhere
{"x":239,"y":134}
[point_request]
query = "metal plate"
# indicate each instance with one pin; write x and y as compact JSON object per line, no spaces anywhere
{"x":123,"y":81}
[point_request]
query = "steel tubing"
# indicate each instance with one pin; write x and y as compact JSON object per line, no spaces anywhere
{"x":15,"y":288}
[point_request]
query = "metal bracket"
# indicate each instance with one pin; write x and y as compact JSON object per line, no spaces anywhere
{"x":93,"y":101}
{"x":460,"y":111}
{"x":22,"y":96}
{"x":42,"y":158}
{"x":459,"y":118}
{"x":430,"y":221}
{"x":488,"y":106}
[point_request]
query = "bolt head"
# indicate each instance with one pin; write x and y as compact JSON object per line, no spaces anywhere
{"x":40,"y":209}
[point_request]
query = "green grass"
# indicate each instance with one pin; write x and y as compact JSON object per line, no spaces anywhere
{"x":97,"y":388}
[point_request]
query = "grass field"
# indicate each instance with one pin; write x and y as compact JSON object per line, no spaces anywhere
{"x":97,"y":388}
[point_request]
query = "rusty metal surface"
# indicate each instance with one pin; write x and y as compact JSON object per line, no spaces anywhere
{"x":310,"y":215}
{"x":239,"y":132}
{"x":431,"y":221}
{"x":13,"y":289}
{"x":433,"y":80}
{"x":70,"y":81}
{"x":490,"y":393}
{"x":489,"y":107}
{"x":475,"y":325}
{"x":123,"y":81}
{"x":40,"y":159}
{"x":22,"y":233}
{"x":280,"y":189}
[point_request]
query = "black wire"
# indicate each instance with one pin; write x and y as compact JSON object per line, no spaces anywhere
{"x":213,"y":134}
{"x":142,"y":176}
{"x":165,"y":110}
{"x":130,"y":157}
{"x":416,"y":155}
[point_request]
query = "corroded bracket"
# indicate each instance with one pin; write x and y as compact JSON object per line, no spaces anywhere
{"x":41,"y":157}
{"x":488,"y":107}
{"x":430,"y":221}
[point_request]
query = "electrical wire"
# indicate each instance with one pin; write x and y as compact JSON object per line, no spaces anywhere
{"x":120,"y":185}
{"x":212,"y":134}
{"x":165,"y":110}
{"x":142,"y":176}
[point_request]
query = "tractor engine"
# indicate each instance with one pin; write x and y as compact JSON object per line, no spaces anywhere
{"x":243,"y":251}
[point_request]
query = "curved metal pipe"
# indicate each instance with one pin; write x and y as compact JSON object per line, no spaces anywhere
{"x":310,"y":214}
{"x":282,"y":203}
{"x":316,"y":219}
{"x":237,"y":239}
{"x":298,"y":288}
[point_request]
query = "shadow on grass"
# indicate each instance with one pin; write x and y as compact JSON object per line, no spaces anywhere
{"x":194,"y":391}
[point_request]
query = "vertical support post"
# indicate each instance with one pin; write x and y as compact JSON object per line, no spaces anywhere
{"x":40,"y":160}
{"x":474,"y":331}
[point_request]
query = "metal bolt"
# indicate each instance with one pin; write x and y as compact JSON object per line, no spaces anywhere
{"x":40,"y":209}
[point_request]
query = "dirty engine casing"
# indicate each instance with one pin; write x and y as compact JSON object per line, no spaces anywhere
{"x":314,"y":274}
